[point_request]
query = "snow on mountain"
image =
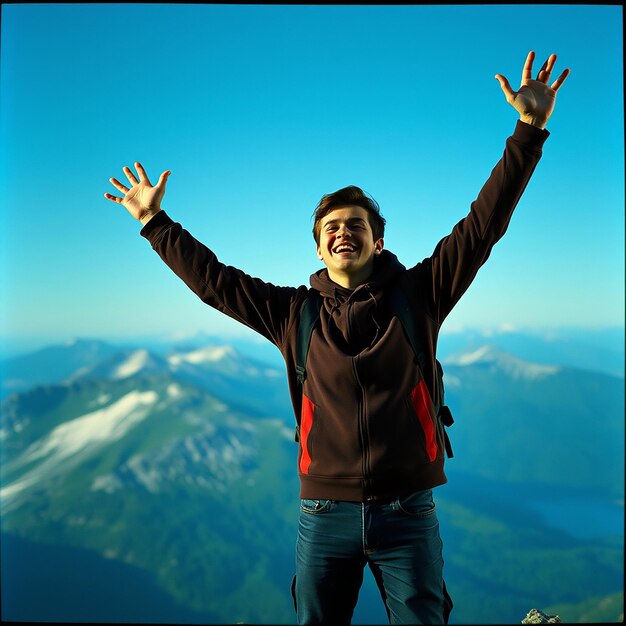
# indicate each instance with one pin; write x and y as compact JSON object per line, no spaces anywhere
{"x":600,"y":350}
{"x":203,"y":355}
{"x":123,"y":364}
{"x":174,"y":391}
{"x":128,"y":362}
{"x":69,"y":441}
{"x":511,"y":365}
{"x":213,"y":457}
{"x":104,"y":400}
{"x":136,"y":362}
{"x":110,"y":423}
{"x":225,"y":358}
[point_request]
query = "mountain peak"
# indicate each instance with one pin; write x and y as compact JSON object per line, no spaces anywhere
{"x":135,"y":362}
{"x":493,"y":356}
{"x":203,"y":355}
{"x":485,"y":354}
{"x":122,"y":364}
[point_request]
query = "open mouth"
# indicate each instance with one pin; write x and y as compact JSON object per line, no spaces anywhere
{"x":344,"y":248}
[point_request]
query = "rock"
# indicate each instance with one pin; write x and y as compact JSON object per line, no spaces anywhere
{"x":539,"y":617}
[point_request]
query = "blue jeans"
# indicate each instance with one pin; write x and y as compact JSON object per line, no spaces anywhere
{"x":399,"y":540}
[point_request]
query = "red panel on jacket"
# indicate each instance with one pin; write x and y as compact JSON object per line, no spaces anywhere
{"x":422,"y":403}
{"x":305,"y":428}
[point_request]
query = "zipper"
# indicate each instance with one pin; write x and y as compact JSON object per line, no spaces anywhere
{"x":362,"y":421}
{"x":349,"y":314}
{"x":362,"y":405}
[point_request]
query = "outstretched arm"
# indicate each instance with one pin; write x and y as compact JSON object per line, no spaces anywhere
{"x":458,"y":257}
{"x":262,"y":306}
{"x":535,"y":99}
{"x":141,"y":200}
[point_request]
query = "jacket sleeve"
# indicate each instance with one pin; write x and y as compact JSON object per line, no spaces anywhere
{"x":261,"y":306}
{"x":458,"y":257}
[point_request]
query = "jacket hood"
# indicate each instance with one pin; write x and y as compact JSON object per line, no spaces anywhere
{"x":386,"y":269}
{"x":352,"y":316}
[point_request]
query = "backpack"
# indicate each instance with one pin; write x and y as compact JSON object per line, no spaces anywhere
{"x":309,"y":315}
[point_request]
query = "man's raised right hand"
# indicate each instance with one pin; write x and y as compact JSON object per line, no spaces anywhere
{"x":141,"y":200}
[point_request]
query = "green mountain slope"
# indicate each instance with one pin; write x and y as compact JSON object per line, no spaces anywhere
{"x":521,"y":423}
{"x":155,"y":477}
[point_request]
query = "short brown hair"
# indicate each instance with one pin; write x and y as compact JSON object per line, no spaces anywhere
{"x":350,"y":195}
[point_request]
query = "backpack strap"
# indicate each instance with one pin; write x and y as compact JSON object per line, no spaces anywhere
{"x":400,"y":307}
{"x":309,"y":314}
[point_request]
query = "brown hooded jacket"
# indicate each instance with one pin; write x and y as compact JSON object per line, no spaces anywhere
{"x":366,"y":420}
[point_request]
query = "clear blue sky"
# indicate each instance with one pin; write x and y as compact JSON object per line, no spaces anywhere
{"x":259,"y":110}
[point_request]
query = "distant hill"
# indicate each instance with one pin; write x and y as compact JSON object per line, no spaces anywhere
{"x":526,"y":423}
{"x":50,"y":364}
{"x":596,"y":350}
{"x":216,"y":366}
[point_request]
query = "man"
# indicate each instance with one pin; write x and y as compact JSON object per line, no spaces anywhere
{"x":371,"y":447}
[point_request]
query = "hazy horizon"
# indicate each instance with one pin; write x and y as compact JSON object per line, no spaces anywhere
{"x":15,"y":347}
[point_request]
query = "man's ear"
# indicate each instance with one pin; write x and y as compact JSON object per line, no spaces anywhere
{"x":379,"y":245}
{"x":319,"y":253}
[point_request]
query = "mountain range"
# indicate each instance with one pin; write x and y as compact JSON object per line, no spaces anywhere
{"x":159,"y":485}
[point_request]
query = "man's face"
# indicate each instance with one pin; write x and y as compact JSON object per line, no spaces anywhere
{"x":347,"y":245}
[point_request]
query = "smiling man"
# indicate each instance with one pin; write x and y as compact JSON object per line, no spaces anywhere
{"x":346,"y":241}
{"x":371,"y":439}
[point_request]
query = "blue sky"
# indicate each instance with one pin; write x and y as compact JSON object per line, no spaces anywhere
{"x":259,"y":110}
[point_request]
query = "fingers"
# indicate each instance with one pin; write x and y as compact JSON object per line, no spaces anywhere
{"x":142,"y":173}
{"x":163,"y":178}
{"x":544,"y":73}
{"x":116,"y":183}
{"x":546,"y":69}
{"x":527,"y":72}
{"x":560,"y":80}
{"x":506,"y":87}
{"x":108,"y":196}
{"x":131,"y":177}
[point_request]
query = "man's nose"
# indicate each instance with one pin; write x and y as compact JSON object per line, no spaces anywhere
{"x":344,"y":232}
